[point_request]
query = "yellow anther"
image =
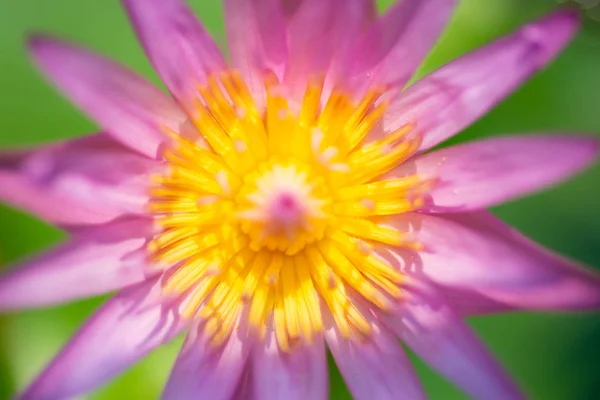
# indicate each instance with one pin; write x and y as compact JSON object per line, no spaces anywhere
{"x":271,"y":214}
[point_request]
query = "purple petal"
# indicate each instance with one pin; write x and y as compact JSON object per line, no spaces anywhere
{"x":301,"y":374}
{"x":205,"y":372}
{"x":290,"y":6}
{"x":177,"y":45}
{"x":23,"y":194}
{"x":309,"y":54}
{"x":244,"y":390}
{"x":128,"y":107}
{"x":367,"y":8}
{"x":395,"y":45}
{"x":125,"y":329}
{"x":93,"y":175}
{"x":257,"y":40}
{"x":376,"y":368}
{"x":352,"y":18}
{"x":95,"y":261}
{"x":339,"y":22}
{"x":20,"y":192}
{"x":478,"y":256}
{"x":467,"y":302}
{"x":488,"y":172}
{"x":433,"y":331}
{"x":451,"y":98}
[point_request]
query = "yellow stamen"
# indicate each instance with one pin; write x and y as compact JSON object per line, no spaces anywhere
{"x":272,"y":215}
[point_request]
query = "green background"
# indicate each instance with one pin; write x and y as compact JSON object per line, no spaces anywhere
{"x":551,"y":356}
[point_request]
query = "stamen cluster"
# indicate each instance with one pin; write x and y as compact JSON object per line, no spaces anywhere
{"x":277,"y":212}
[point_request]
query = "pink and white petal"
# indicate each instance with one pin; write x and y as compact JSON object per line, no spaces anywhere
{"x":451,"y":98}
{"x":203,"y":371}
{"x":488,"y":172}
{"x":95,"y":261}
{"x":257,"y":40}
{"x":482,"y":257}
{"x":181,"y":50}
{"x":391,"y":50}
{"x":93,"y":173}
{"x":432,"y":330}
{"x":374,"y":369}
{"x":125,"y":329}
{"x":127,"y":106}
{"x":298,"y":375}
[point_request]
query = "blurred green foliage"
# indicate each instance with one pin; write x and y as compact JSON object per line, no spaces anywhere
{"x":551,"y":356}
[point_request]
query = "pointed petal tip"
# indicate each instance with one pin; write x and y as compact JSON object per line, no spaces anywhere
{"x":569,"y":15}
{"x":583,"y":149}
{"x":593,"y":145}
{"x":531,"y":278}
{"x":47,"y":50}
{"x":118,"y":99}
{"x":38,"y":42}
{"x":453,"y":97}
{"x":563,"y":20}
{"x":552,"y":32}
{"x":488,"y":172}
{"x":34,"y":39}
{"x":177,"y":44}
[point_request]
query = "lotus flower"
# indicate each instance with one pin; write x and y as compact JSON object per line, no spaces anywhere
{"x":286,"y":202}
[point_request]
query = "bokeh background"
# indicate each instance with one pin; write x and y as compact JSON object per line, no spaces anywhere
{"x":551,"y":356}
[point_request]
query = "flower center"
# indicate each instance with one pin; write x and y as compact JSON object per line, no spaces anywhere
{"x":282,"y":207}
{"x":272,"y":215}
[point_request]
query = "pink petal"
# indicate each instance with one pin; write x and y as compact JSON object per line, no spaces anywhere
{"x":395,"y":45}
{"x":488,"y":172}
{"x":299,"y":375}
{"x":244,"y":389}
{"x":290,"y":6}
{"x":178,"y":46}
{"x":205,"y":372}
{"x":125,"y":329}
{"x":309,"y":54}
{"x":468,"y":302}
{"x":257,"y":40}
{"x":127,"y":106}
{"x":20,"y":192}
{"x":93,"y":174}
{"x":352,"y":17}
{"x":375,"y":369}
{"x":451,"y":98}
{"x":368,"y":8}
{"x":339,"y":22}
{"x":95,"y":261}
{"x":478,"y":256}
{"x":433,"y":331}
